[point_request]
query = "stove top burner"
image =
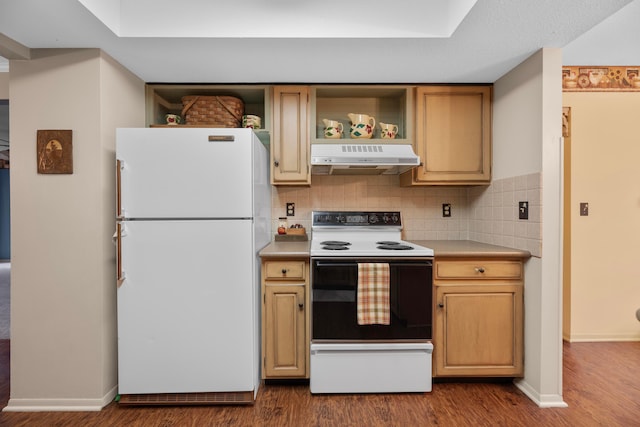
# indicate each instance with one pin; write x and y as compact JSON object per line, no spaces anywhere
{"x":387,"y":242}
{"x":335,"y":243}
{"x":335,"y":247}
{"x":395,"y":247}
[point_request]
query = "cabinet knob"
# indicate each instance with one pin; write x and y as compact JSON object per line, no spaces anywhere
{"x":479,"y":269}
{"x":284,"y":271}
{"x":300,"y":306}
{"x":441,"y":305}
{"x":276,"y":163}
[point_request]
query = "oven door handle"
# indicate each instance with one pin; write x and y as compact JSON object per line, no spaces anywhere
{"x":336,"y":264}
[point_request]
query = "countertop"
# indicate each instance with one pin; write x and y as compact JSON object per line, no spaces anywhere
{"x":442,"y":248}
{"x":285,"y":249}
{"x":469,"y":248}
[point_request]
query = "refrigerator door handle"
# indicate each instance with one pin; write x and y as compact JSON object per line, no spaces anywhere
{"x":120,"y":233}
{"x":229,"y":138}
{"x":119,"y":168}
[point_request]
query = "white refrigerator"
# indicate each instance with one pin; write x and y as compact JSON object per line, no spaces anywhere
{"x":193,"y":210}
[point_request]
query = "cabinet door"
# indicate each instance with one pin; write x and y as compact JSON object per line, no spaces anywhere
{"x":290,"y":143}
{"x":453,"y":135}
{"x":285,"y":348}
{"x":479,"y":330}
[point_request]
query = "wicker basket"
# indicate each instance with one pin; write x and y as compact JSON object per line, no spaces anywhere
{"x":219,"y":111}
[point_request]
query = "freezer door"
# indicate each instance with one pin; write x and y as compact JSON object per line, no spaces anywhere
{"x":186,"y":172}
{"x":186,"y":307}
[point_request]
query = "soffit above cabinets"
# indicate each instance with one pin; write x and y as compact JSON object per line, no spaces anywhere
{"x":281,"y":18}
{"x":330,"y":41}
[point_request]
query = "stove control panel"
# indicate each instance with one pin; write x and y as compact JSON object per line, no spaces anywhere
{"x":355,"y":219}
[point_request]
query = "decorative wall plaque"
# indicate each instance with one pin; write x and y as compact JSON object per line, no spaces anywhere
{"x":54,"y":151}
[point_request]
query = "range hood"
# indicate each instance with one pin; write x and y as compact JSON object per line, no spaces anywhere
{"x":362,"y":159}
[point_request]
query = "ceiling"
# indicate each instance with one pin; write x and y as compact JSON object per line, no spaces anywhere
{"x":333,"y":41}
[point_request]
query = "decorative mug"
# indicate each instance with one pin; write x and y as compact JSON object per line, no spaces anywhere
{"x":172,"y":119}
{"x":361,"y":125}
{"x":251,"y":121}
{"x":333,"y":129}
{"x":388,"y":130}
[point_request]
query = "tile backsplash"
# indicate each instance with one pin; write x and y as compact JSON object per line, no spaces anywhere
{"x":493,"y":213}
{"x":485,"y":214}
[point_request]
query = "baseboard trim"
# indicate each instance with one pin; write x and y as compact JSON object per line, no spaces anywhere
{"x":542,"y":400}
{"x":60,"y":405}
{"x":603,"y":338}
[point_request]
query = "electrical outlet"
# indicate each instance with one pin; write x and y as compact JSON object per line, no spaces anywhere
{"x":446,"y":210}
{"x":291,"y":209}
{"x":523,"y":210}
{"x":584,"y":209}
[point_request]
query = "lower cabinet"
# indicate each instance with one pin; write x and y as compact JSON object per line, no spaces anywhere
{"x":285,"y":321}
{"x":478,"y":318}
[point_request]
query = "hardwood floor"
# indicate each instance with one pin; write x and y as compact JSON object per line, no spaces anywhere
{"x":601,"y":387}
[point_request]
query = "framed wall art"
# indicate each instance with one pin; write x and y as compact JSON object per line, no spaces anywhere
{"x":54,"y":151}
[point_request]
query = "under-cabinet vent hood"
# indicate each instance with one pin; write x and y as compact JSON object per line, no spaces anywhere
{"x":362,"y":159}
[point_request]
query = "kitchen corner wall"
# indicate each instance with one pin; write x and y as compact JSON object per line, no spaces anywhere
{"x":493,"y":213}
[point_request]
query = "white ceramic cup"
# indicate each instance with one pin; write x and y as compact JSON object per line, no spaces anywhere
{"x":333,"y":129}
{"x":172,"y":119}
{"x":251,"y":121}
{"x":388,"y":130}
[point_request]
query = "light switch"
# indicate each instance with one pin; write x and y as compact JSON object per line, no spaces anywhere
{"x":584,"y":209}
{"x":523,"y":210}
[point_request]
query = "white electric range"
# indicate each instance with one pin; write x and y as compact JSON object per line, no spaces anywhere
{"x":346,"y":355}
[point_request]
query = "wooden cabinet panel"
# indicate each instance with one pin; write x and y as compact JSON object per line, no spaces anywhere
{"x":285,"y":355}
{"x":478,"y":269}
{"x":479,"y":330}
{"x":285,"y":318}
{"x":453,"y":136}
{"x":290,"y":142}
{"x":285,"y":270}
{"x":478,"y":318}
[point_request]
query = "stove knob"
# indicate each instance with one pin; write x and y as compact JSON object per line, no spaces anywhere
{"x":395,"y":218}
{"x":386,"y":219}
{"x":373,"y":219}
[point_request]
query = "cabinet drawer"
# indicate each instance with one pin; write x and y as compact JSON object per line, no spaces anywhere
{"x":478,"y":269}
{"x":284,"y":270}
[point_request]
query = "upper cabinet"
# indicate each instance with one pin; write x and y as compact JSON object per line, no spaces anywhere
{"x":163,"y":99}
{"x":290,"y":163}
{"x":449,"y":126}
{"x":453,"y":136}
{"x":380,"y":104}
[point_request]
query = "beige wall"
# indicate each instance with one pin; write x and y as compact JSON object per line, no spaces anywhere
{"x":526,"y":141}
{"x":4,"y":85}
{"x":605,"y":172}
{"x":63,"y":340}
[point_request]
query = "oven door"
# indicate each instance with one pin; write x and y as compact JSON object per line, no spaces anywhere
{"x":334,"y":286}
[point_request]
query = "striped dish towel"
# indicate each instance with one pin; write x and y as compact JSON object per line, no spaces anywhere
{"x":373,"y":294}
